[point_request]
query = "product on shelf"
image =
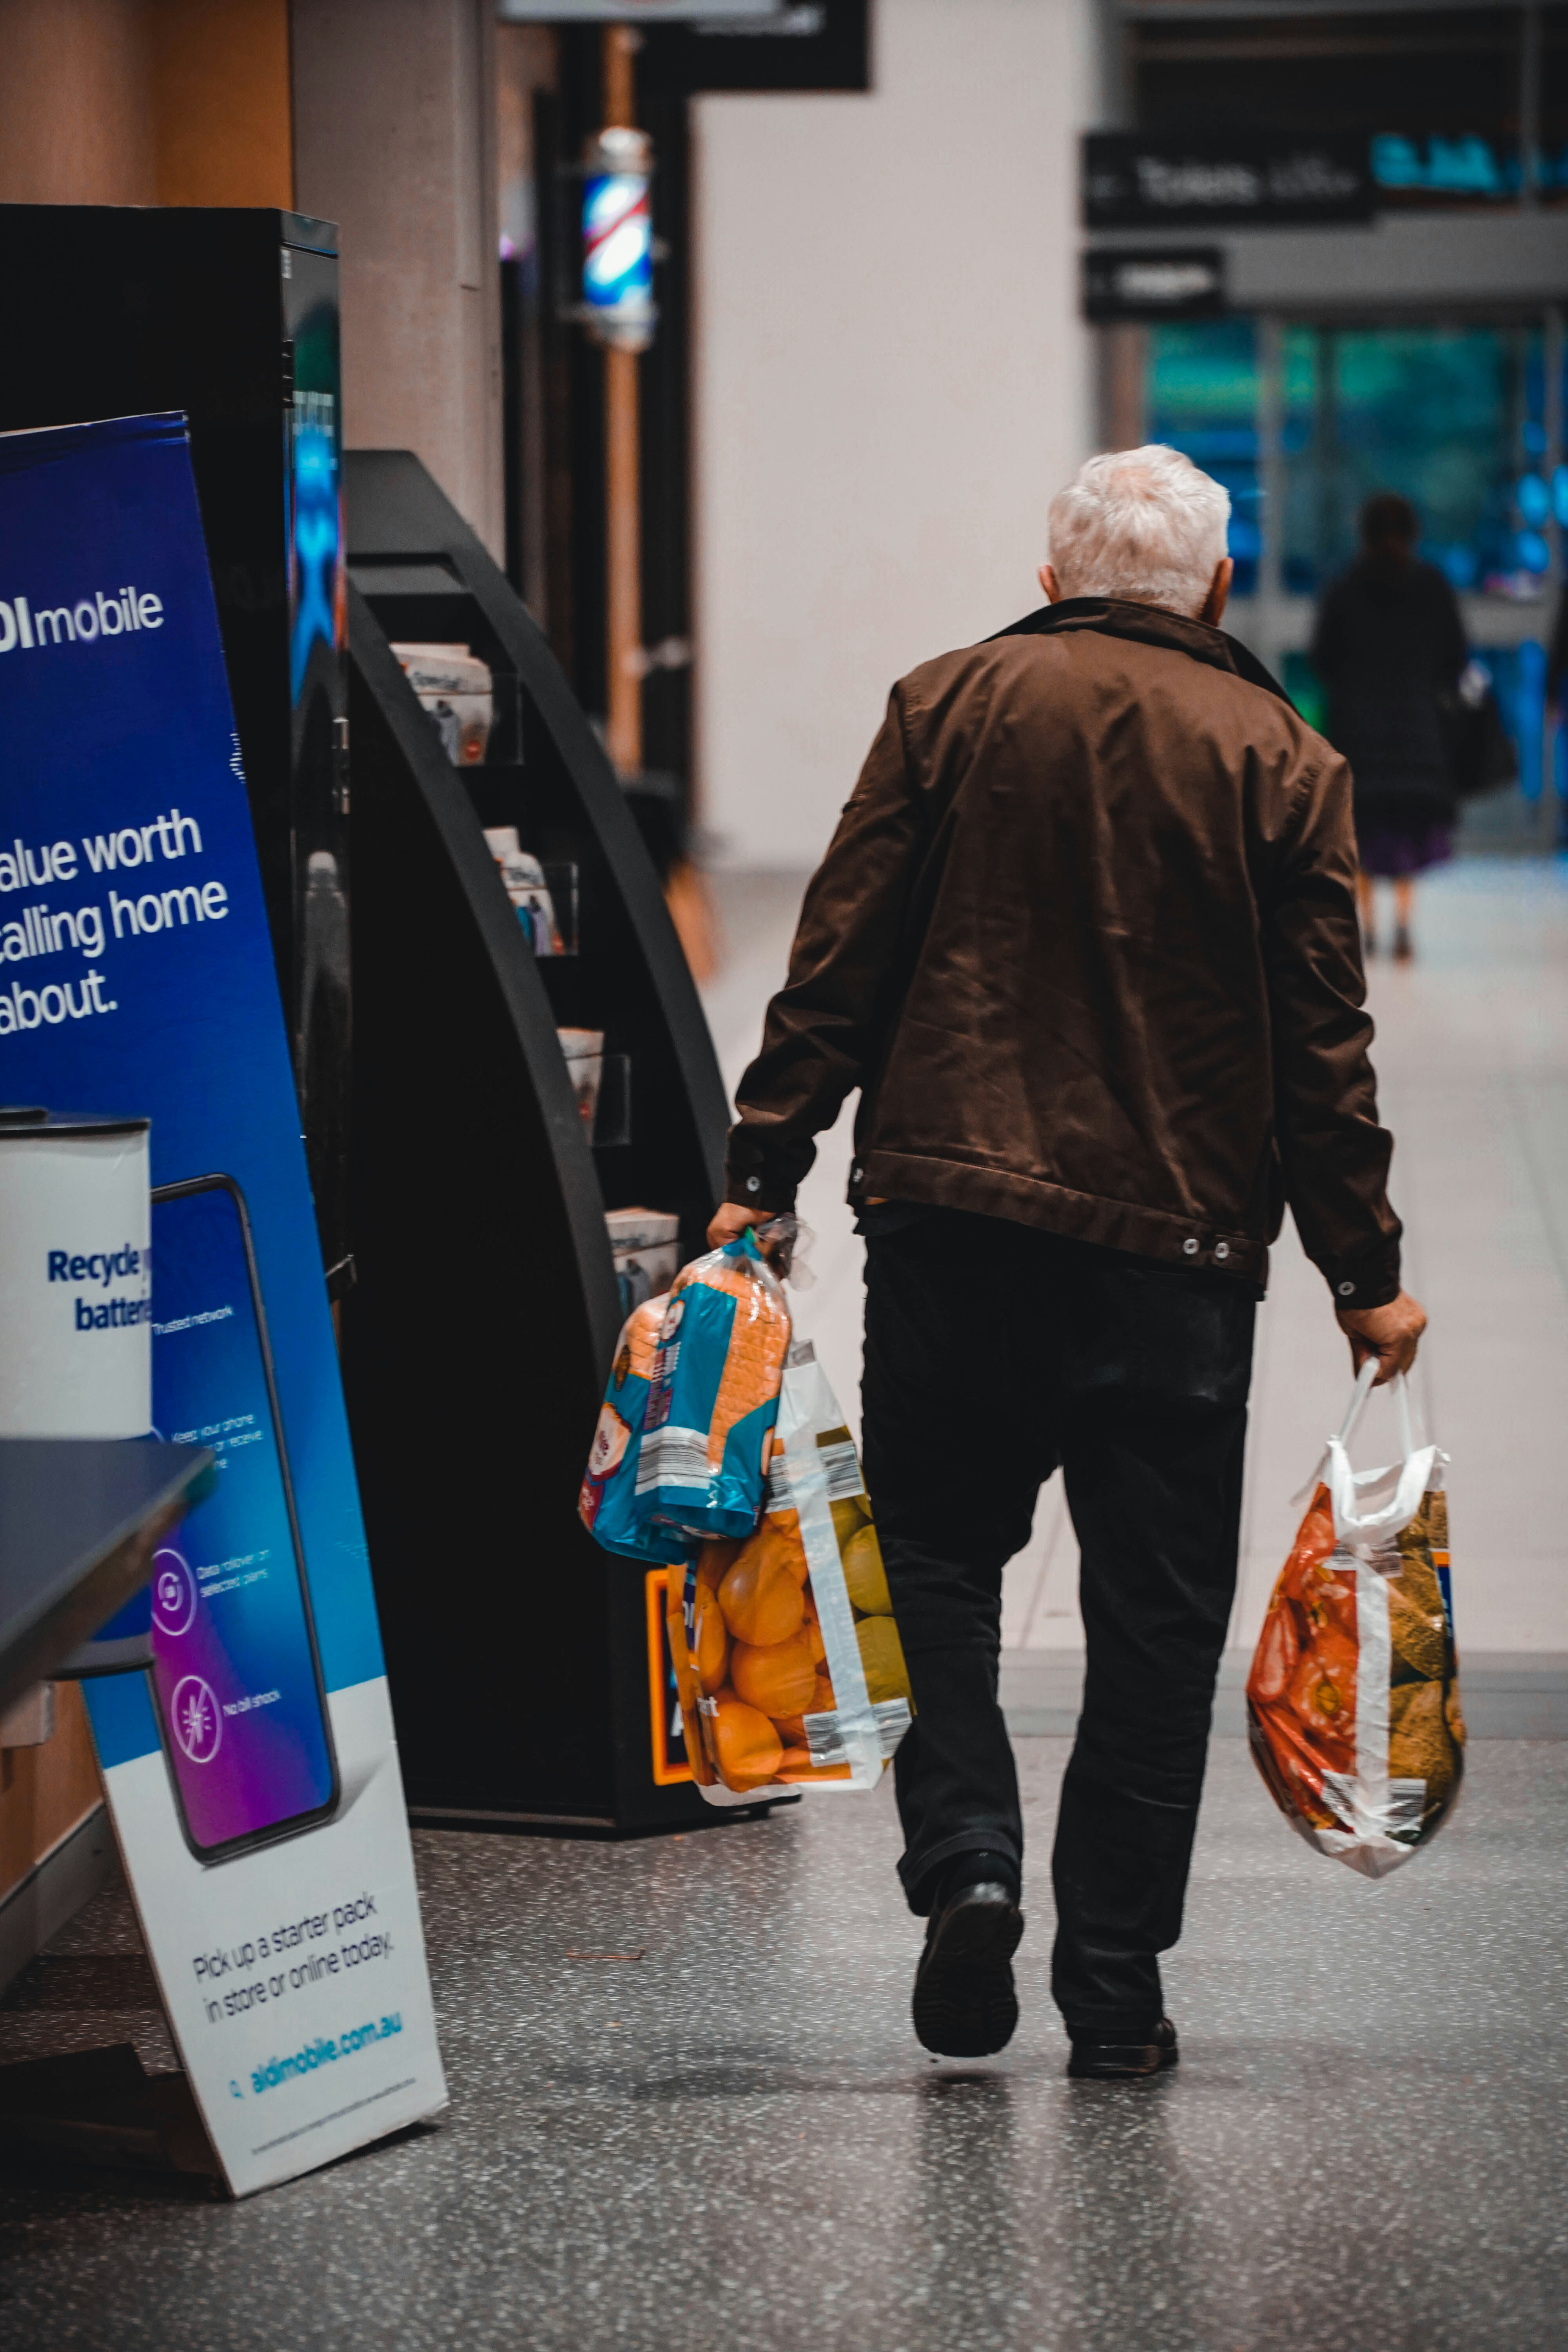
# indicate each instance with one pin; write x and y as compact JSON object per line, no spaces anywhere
{"x":526,"y":887}
{"x":787,"y":1661}
{"x":645,"y":1246}
{"x":584,"y":1052}
{"x":459,"y":692}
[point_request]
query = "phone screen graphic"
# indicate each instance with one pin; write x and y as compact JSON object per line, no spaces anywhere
{"x":235,"y":1671}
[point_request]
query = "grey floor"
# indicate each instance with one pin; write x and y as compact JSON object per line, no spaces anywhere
{"x":731,"y":2141}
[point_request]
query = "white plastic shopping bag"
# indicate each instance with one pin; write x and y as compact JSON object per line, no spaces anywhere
{"x":1353,"y":1698}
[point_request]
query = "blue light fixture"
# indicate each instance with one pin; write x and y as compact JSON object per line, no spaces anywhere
{"x":1534,"y":502}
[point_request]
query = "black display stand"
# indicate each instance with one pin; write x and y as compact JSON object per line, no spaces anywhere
{"x":527,"y":1672}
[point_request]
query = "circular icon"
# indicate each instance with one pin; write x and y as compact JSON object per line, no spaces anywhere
{"x":197,"y":1724}
{"x":174,"y":1592}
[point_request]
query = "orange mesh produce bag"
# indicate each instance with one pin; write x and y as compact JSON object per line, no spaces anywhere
{"x":787,"y":1660}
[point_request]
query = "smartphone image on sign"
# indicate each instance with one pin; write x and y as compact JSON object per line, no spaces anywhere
{"x":236,"y":1677}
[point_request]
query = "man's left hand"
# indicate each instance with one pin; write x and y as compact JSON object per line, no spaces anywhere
{"x":1390,"y":1333}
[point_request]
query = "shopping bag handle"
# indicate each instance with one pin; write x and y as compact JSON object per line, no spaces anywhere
{"x":1415,"y":1465}
{"x":1402,"y":1403}
{"x":1365,"y":1380}
{"x":1358,"y":1396}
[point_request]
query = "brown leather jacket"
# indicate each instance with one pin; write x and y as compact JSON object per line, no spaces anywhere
{"x":1086,"y":939}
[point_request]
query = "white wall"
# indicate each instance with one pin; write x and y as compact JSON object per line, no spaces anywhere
{"x":891,"y":378}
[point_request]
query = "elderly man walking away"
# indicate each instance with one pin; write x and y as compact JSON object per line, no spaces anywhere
{"x":1086,"y":940}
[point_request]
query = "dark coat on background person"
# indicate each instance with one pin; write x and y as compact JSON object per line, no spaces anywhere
{"x":1086,"y":939}
{"x":1390,"y":644}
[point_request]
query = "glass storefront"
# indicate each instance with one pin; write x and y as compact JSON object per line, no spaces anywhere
{"x":1205,"y":383}
{"x":1303,"y":419}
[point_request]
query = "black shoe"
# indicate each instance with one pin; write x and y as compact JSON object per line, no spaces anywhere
{"x":1403,"y":946}
{"x":1113,"y":2062}
{"x":964,"y":2005}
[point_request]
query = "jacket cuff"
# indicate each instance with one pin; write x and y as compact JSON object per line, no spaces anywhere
{"x":750,"y":1183}
{"x":1370,"y":1281}
{"x":772,"y":1199}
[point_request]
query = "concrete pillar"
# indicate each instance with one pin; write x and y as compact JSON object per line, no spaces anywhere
{"x":395,"y":140}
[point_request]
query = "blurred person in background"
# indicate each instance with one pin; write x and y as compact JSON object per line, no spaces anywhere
{"x":1389,"y":646}
{"x":1086,"y":940}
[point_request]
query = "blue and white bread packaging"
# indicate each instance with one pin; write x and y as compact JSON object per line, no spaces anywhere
{"x":76,"y":1288}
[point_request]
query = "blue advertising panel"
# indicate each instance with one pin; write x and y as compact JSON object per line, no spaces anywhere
{"x":136,"y":978}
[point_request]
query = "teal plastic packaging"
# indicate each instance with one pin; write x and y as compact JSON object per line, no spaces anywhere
{"x":609,"y":1504}
{"x":707,"y":1429}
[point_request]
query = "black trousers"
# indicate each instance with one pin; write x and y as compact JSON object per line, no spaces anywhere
{"x":994,"y":1353}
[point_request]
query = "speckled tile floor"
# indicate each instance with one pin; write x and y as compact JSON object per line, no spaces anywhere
{"x":733,"y":2143}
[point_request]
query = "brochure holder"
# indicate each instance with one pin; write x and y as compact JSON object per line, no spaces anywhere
{"x":529,"y":1685}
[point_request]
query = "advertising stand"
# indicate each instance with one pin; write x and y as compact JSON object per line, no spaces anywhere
{"x":527,"y":1673}
{"x":232,"y":317}
{"x":251,"y":1772}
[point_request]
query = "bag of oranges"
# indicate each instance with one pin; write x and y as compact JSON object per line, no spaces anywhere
{"x":714,"y":1398}
{"x":787,"y":1660}
{"x":1353,"y":1698}
{"x":609,"y":1504}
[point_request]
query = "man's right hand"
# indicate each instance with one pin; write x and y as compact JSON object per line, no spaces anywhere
{"x":1390,"y":1333}
{"x":732,"y":1219}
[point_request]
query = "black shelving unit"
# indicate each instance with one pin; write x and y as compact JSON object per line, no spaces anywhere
{"x":478,"y":1339}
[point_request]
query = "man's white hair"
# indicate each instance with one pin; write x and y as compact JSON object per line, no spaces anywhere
{"x":1143,"y":524}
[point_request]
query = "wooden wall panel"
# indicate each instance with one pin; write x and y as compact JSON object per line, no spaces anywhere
{"x":221,"y":101}
{"x":45,"y":1791}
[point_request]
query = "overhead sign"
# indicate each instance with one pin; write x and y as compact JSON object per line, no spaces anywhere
{"x":251,"y":1775}
{"x":806,"y":45}
{"x":1416,"y":167}
{"x":631,"y":12}
{"x":1162,"y":281}
{"x":1137,"y":180}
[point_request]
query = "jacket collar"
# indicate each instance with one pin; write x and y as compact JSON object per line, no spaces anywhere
{"x":1149,"y":624}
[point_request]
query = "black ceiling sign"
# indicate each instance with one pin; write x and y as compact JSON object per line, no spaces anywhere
{"x":1167,"y":281}
{"x":812,"y":45}
{"x":1225,"y":180}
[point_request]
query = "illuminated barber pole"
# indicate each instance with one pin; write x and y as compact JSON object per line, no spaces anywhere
{"x":618,"y":240}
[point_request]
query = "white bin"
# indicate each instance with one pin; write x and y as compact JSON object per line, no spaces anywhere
{"x":76,"y":1277}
